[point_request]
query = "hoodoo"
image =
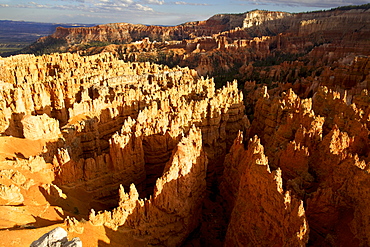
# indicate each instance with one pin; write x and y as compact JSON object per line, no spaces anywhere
{"x":242,"y":130}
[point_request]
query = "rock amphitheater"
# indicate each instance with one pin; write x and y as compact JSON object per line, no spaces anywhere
{"x":128,"y":153}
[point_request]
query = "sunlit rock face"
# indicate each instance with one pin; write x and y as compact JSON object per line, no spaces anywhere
{"x":121,"y":151}
{"x":103,"y":127}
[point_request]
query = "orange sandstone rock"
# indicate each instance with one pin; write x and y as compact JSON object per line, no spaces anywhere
{"x":118,"y":124}
{"x":264,"y":214}
{"x":173,"y":211}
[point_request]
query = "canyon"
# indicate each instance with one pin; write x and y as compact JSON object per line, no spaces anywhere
{"x":242,"y":130}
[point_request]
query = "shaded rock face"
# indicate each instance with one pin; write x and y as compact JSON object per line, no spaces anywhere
{"x":316,"y":152}
{"x":263,"y":213}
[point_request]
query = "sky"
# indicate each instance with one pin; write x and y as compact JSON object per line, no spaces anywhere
{"x":150,"y":12}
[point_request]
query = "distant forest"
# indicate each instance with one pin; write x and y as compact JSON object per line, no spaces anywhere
{"x":15,"y":35}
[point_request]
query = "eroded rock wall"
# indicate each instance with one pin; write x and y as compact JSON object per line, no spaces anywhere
{"x":153,"y":151}
{"x":319,"y":145}
{"x":173,"y":211}
{"x":123,"y":126}
{"x":264,"y":214}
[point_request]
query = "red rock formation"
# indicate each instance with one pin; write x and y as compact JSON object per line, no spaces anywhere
{"x":264,"y":214}
{"x":77,"y":132}
{"x":126,"y":32}
{"x":319,"y":161}
{"x":175,"y":204}
{"x":119,"y":125}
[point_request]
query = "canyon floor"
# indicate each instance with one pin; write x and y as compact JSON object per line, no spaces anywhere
{"x":241,"y":130}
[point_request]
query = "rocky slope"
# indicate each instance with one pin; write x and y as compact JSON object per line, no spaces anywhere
{"x":108,"y":125}
{"x":322,"y":154}
{"x":126,"y":153}
{"x":262,"y":46}
{"x":140,"y":162}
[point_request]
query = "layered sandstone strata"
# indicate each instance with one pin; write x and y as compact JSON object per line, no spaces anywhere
{"x":230,"y":41}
